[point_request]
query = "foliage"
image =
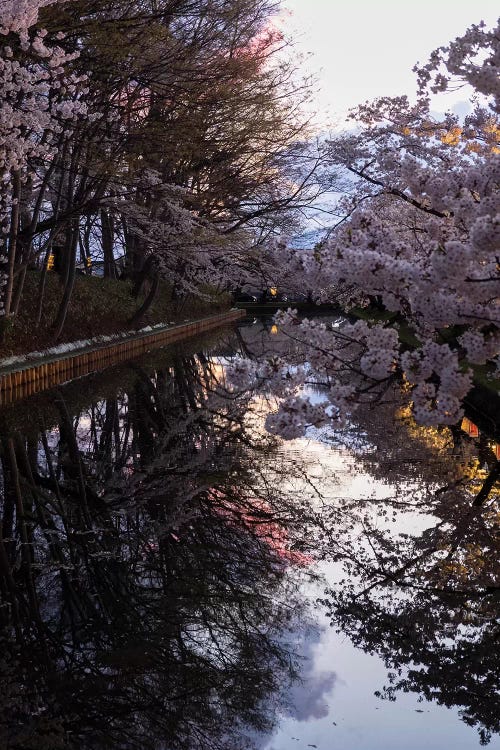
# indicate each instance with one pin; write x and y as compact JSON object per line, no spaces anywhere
{"x":419,"y":241}
{"x":144,"y":132}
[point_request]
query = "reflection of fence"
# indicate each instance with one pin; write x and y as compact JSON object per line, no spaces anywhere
{"x":35,"y":376}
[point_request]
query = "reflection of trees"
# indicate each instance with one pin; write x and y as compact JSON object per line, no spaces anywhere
{"x":380,"y":420}
{"x":390,"y":446}
{"x":402,"y":450}
{"x":437,"y":632}
{"x":426,"y":601}
{"x":144,"y":543}
{"x":144,"y":602}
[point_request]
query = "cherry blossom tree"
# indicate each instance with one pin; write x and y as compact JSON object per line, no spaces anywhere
{"x":40,"y":102}
{"x":418,"y":251}
{"x":143,"y":130}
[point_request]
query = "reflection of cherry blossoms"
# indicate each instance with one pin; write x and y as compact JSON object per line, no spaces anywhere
{"x":257,"y":517}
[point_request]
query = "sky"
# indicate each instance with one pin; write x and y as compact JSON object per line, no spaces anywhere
{"x":360,"y":49}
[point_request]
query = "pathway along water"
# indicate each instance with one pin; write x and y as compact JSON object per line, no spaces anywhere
{"x":173,"y":577}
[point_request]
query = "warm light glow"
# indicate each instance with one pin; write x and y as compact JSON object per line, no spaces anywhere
{"x":470,"y":428}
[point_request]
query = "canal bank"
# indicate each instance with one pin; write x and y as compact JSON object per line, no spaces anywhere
{"x":37,"y":371}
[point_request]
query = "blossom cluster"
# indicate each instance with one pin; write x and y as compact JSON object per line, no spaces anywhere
{"x":474,"y":58}
{"x":36,"y":91}
{"x":39,"y":99}
{"x":334,"y":358}
{"x":420,"y":240}
{"x":294,"y":416}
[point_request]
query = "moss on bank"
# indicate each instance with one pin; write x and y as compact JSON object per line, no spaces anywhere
{"x":98,"y":306}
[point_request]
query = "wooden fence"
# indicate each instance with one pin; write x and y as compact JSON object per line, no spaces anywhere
{"x":19,"y":381}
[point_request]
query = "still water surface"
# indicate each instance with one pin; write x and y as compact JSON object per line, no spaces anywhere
{"x":173,"y":577}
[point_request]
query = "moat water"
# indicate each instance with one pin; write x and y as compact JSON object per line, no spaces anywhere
{"x":171,"y":576}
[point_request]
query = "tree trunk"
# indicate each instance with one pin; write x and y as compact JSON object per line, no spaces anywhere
{"x":147,"y":302}
{"x":107,"y":234}
{"x":14,"y":230}
{"x":68,"y":286}
{"x":488,"y":485}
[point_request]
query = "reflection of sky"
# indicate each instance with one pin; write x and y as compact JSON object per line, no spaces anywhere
{"x":357,"y":720}
{"x":335,"y":707}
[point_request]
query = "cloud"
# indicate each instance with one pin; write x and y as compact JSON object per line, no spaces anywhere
{"x":308,"y":699}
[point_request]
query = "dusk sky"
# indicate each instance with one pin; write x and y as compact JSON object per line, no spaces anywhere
{"x":366,"y":48}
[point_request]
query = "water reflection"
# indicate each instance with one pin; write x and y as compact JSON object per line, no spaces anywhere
{"x":145,"y":601}
{"x":423,"y":576}
{"x":414,"y":569}
{"x":159,"y":554}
